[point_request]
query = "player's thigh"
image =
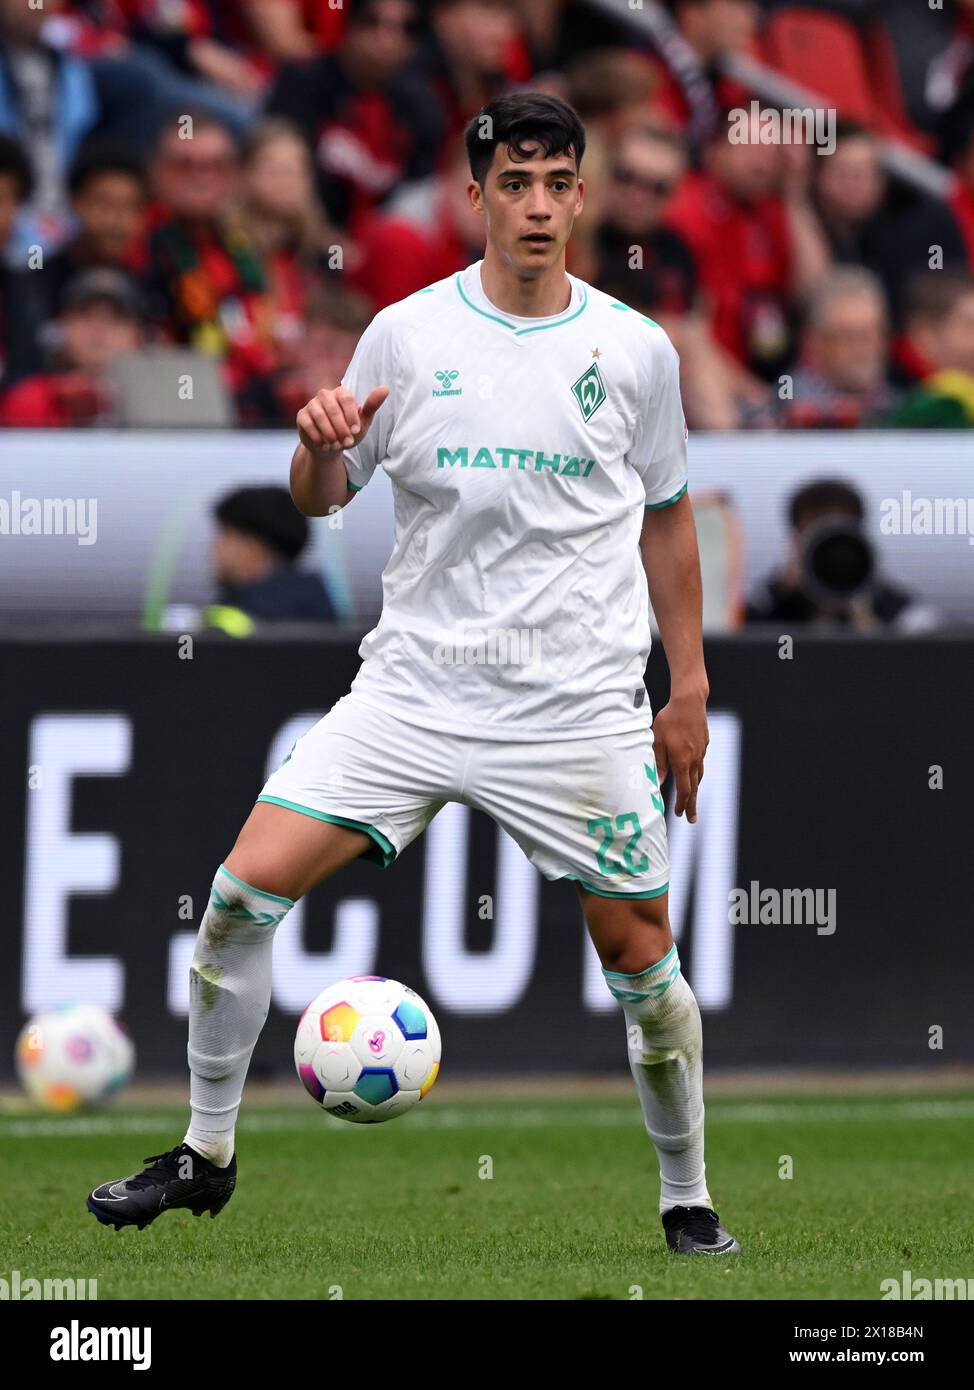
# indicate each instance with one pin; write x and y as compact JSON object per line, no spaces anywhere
{"x":629,"y":934}
{"x":590,"y":810}
{"x":286,"y":853}
{"x":360,"y":782}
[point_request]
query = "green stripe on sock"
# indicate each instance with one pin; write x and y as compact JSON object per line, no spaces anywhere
{"x":618,"y":975}
{"x":274,"y":897}
{"x":650,"y":983}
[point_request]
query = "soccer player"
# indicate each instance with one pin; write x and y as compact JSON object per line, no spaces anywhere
{"x":533,"y":432}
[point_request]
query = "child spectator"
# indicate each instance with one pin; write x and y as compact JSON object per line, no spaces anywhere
{"x":937,"y":349}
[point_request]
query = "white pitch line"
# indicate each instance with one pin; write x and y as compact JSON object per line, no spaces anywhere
{"x":513,"y":1118}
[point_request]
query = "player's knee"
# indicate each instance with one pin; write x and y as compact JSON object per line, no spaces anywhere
{"x":257,"y":874}
{"x":633,"y":959}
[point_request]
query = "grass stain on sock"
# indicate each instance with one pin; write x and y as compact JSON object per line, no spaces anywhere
{"x":204,"y":981}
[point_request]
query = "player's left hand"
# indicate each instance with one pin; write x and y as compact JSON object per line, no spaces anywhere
{"x":680,"y":740}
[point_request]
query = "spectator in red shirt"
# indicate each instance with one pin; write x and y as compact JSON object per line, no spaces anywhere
{"x":473,"y":52}
{"x":429,"y":231}
{"x":207,"y":284}
{"x":100,"y":321}
{"x":756,"y":245}
{"x":371,"y":125}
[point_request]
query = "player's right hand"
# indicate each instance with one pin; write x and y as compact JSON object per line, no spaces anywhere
{"x":333,"y":420}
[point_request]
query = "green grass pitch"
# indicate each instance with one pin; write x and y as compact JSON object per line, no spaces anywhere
{"x":325,"y":1209}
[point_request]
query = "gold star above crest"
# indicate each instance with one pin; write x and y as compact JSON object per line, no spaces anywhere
{"x":596,"y":353}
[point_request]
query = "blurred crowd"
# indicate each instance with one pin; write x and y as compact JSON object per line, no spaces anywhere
{"x":249,"y":181}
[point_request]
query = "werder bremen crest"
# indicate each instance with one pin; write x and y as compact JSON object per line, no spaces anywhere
{"x":589,"y":391}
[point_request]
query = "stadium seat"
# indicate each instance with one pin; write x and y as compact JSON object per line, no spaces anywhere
{"x":823,"y":53}
{"x":151,"y":387}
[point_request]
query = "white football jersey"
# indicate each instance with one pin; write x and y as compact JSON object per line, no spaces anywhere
{"x":522,"y":453}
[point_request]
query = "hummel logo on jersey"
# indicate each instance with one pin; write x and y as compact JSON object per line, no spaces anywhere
{"x":589,"y":391}
{"x":446,"y":380}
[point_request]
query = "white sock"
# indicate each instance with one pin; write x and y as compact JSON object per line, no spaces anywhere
{"x":229,"y":996}
{"x":666,"y":1059}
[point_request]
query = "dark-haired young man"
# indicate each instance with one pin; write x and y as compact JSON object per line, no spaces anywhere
{"x":532,"y":430}
{"x":259,"y":539}
{"x":107,"y":187}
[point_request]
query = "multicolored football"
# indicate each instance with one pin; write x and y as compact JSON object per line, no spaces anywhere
{"x":367,"y":1049}
{"x":73,"y":1056}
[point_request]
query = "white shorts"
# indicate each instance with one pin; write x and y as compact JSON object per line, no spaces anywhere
{"x":582,"y":809}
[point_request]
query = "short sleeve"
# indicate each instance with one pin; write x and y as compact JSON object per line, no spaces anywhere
{"x":372,"y":365}
{"x":659,"y":447}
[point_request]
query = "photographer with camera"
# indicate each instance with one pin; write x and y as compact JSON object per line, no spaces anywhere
{"x":831,"y":576}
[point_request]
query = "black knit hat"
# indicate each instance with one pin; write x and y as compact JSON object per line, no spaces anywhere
{"x":267,"y":513}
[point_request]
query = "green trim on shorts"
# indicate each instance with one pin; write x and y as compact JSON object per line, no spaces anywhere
{"x":274,"y":897}
{"x":351,"y":486}
{"x":655,"y":506}
{"x":604,"y":892}
{"x":383,"y":852}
